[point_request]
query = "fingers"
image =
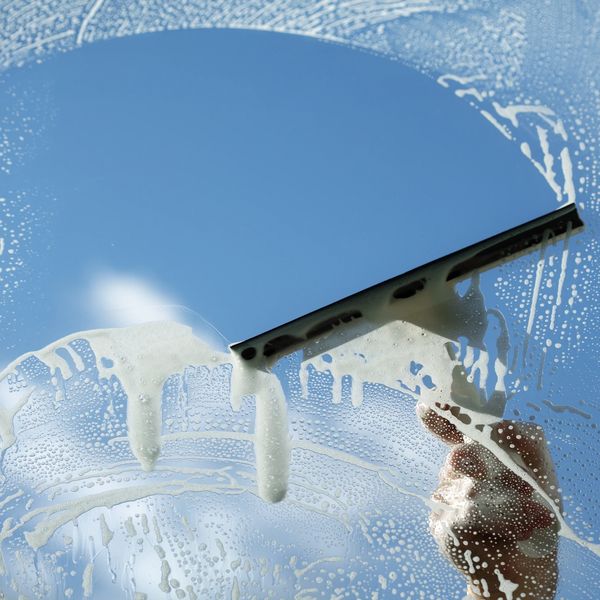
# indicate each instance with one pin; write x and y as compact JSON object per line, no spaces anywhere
{"x":436,"y":424}
{"x":538,"y":517}
{"x":528,"y":442}
{"x":523,"y":440}
{"x":467,"y":459}
{"x":486,"y":518}
{"x":509,"y":480}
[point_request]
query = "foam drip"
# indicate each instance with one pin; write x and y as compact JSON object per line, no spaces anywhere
{"x":142,"y":358}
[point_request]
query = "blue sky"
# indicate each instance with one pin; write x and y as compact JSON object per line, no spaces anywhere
{"x":249,"y":176}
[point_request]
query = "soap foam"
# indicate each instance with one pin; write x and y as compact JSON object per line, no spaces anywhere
{"x":142,"y":357}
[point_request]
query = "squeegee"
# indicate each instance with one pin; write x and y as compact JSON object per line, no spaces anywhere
{"x":419,"y":295}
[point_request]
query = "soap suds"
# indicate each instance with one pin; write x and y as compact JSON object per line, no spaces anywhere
{"x":507,"y":587}
{"x":142,"y":357}
{"x":88,"y":580}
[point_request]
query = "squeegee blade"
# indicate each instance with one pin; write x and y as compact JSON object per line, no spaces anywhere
{"x":401,"y":291}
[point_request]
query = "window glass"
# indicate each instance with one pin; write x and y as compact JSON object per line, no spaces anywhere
{"x":441,"y":445}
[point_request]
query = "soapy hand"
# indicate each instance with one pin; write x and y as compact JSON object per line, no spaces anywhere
{"x":488,"y":521}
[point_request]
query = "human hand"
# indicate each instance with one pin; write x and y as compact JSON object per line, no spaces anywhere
{"x":487,"y":520}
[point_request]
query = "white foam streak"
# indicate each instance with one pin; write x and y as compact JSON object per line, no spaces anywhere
{"x":142,"y":358}
{"x":511,"y":111}
{"x":561,"y":282}
{"x":271,"y":442}
{"x":507,"y":587}
{"x":567,"y":169}
{"x":536,"y":292}
{"x":272,"y":445}
{"x":444,"y":80}
{"x":501,"y":128}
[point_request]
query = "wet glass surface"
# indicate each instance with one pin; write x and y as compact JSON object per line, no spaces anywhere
{"x":447,"y":441}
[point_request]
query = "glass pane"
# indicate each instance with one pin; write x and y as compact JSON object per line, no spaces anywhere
{"x":443,"y":445}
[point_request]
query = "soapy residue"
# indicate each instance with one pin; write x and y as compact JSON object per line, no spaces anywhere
{"x":144,"y":477}
{"x":164,"y":430}
{"x":142,"y":358}
{"x":159,"y":418}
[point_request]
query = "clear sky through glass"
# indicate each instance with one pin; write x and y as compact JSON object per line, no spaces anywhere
{"x":249,"y":176}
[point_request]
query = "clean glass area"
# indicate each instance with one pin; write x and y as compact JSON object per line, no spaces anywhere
{"x":176,"y":177}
